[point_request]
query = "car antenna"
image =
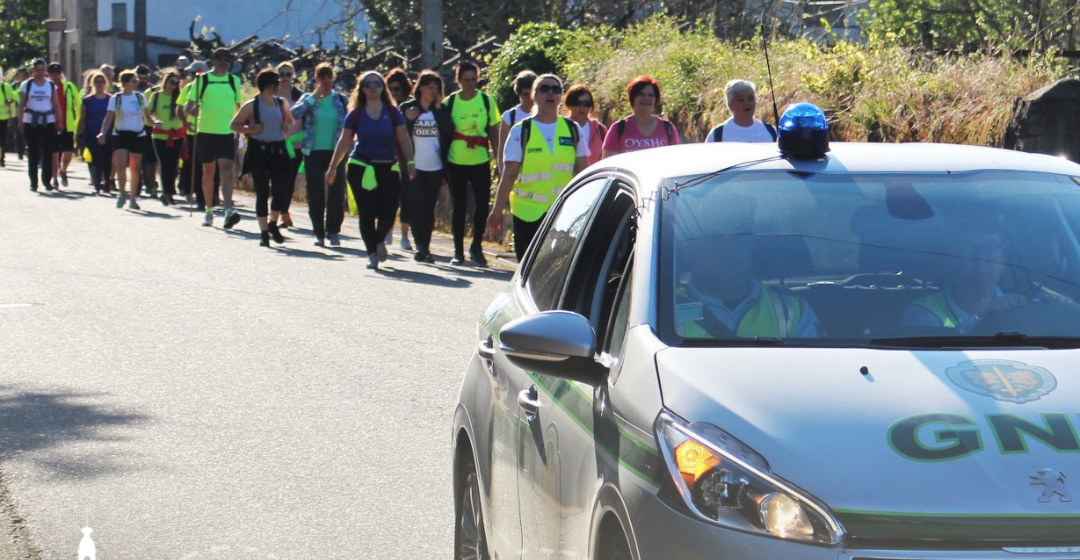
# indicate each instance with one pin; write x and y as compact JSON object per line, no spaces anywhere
{"x":768,"y":67}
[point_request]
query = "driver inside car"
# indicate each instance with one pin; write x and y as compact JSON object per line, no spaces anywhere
{"x":972,"y":274}
{"x":723,"y":299}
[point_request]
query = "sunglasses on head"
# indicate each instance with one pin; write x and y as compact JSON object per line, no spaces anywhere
{"x":548,"y":89}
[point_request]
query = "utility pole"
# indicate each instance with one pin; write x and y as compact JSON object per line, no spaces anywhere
{"x":142,"y":55}
{"x":431,"y":20}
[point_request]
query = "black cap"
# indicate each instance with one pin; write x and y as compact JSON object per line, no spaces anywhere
{"x":55,"y":67}
{"x":142,"y":69}
{"x":222,"y":52}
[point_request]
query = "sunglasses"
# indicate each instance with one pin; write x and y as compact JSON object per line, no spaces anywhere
{"x":285,"y":74}
{"x":548,"y":89}
{"x":373,"y":85}
{"x":172,"y":83}
{"x":579,"y":103}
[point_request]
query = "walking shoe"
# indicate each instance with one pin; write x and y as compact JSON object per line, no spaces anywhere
{"x":421,"y":255}
{"x":335,"y":241}
{"x":63,"y":178}
{"x":120,"y":200}
{"x":208,"y":220}
{"x":477,"y":255}
{"x":459,"y":258}
{"x":2,"y":164}
{"x":405,"y":245}
{"x":265,"y":241}
{"x":275,"y":232}
{"x":373,"y":262}
{"x":134,"y":205}
{"x":380,"y":251}
{"x":49,"y":186}
{"x":319,"y":242}
{"x":389,"y":238}
{"x":33,"y":188}
{"x":232,"y":217}
{"x":286,"y":220}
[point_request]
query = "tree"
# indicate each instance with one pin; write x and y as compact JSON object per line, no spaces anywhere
{"x":1012,"y":25}
{"x":23,"y":36}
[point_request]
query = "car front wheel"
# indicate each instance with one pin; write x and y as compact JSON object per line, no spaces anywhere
{"x":469,"y":542}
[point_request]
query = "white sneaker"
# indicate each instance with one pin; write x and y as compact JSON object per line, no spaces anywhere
{"x":208,"y":221}
{"x":389,"y":238}
{"x":405,"y":245}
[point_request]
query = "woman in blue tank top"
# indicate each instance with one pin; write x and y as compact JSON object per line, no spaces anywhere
{"x":94,"y":107}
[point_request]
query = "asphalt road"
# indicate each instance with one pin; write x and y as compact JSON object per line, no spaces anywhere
{"x":189,"y":394}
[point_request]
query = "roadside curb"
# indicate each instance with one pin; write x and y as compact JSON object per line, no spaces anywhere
{"x":15,"y":542}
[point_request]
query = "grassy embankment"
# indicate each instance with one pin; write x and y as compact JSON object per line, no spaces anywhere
{"x":873,"y":91}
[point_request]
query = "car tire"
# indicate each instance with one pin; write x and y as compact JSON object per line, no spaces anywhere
{"x":614,"y":547}
{"x":469,"y":540}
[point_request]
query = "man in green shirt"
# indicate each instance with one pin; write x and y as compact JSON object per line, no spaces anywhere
{"x":70,"y":102}
{"x":476,"y":120}
{"x":9,"y":101}
{"x":214,"y":99}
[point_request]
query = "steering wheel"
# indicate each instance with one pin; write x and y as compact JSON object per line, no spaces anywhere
{"x":1036,"y":319}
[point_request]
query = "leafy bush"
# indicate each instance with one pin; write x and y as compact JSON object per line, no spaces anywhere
{"x":877,"y":91}
{"x":539,"y":47}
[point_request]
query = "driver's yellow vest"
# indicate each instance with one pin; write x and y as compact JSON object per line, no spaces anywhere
{"x":773,"y":316}
{"x":543,"y":174}
{"x":939,"y":306}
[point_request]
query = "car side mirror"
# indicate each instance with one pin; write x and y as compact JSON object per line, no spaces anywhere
{"x":558,"y":343}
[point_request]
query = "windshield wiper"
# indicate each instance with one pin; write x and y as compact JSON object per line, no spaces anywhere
{"x":760,"y":341}
{"x":999,"y":340}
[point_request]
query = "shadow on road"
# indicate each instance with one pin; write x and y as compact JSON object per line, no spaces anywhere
{"x":300,"y":253}
{"x":416,"y":277}
{"x":158,"y":215}
{"x":36,"y":425}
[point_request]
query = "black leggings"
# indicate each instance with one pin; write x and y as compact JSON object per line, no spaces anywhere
{"x":293,"y":171}
{"x":524,"y":232}
{"x":378,"y":207}
{"x":463,"y":179}
{"x":169,"y":160}
{"x":269,"y":171}
{"x":100,"y":161}
{"x":326,"y":204}
{"x":40,"y":142}
{"x":422,"y":194}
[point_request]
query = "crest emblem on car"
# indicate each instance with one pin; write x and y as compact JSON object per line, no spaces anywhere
{"x":1003,"y":380}
{"x":1053,"y":483}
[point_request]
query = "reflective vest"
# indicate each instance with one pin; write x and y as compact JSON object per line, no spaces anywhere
{"x":939,"y":306}
{"x":543,"y":174}
{"x":72,"y":102}
{"x":7,"y":98}
{"x":774,"y":315}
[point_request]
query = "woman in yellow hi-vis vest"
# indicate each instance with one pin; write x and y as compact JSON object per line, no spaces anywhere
{"x":541,"y":155}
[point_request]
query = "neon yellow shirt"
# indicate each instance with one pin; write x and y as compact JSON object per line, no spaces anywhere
{"x":468,"y":117}
{"x":217,"y":103}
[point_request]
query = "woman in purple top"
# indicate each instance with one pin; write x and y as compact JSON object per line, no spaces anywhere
{"x":376,"y":130}
{"x":92,"y":114}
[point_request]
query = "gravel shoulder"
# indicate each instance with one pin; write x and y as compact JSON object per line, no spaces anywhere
{"x":15,"y":543}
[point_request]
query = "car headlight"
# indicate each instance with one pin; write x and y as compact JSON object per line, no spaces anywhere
{"x":725,"y":482}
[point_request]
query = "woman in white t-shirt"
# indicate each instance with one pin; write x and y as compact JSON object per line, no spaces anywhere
{"x":523,"y":85}
{"x":431,"y":130}
{"x":128,"y":109}
{"x":743,"y":126}
{"x":534,"y":194}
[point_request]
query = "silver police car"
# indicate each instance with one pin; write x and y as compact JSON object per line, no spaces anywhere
{"x":795,"y":351}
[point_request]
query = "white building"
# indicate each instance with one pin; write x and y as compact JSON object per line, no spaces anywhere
{"x":98,"y":31}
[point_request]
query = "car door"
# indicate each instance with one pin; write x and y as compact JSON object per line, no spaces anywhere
{"x":557,"y":473}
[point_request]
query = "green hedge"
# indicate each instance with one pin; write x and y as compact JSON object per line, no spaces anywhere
{"x":875,"y":91}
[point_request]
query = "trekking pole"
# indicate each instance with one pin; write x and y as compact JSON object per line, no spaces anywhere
{"x":191,"y":161}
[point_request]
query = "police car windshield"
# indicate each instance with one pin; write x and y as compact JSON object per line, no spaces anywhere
{"x":845,"y":259}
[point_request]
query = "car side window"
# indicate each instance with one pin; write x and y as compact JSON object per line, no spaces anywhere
{"x":553,"y":256}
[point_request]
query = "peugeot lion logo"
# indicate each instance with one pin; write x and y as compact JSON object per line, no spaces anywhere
{"x":1053,"y":483}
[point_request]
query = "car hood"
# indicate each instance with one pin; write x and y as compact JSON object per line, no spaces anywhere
{"x":900,"y":442}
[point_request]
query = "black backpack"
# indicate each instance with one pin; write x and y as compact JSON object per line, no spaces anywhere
{"x":487,"y":106}
{"x":718,"y":132}
{"x":255,"y":107}
{"x":526,"y":131}
{"x":620,"y":127}
{"x":205,"y":83}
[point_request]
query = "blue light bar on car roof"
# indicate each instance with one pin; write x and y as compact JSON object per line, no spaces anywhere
{"x":803,"y":131}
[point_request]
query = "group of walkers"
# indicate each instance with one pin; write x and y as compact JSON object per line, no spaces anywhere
{"x":387,"y":147}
